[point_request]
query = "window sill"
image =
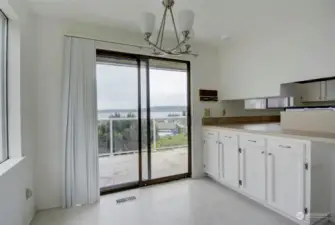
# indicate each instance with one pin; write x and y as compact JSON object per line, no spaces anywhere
{"x":9,"y":164}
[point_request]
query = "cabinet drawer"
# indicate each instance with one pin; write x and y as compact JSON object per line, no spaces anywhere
{"x":226,"y":136}
{"x":286,"y":143}
{"x":255,"y":140}
{"x":211,"y":134}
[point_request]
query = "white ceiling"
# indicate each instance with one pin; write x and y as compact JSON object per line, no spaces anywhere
{"x":213,"y":18}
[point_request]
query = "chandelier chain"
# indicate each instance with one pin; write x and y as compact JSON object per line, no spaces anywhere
{"x":174,"y":26}
{"x":163,"y":29}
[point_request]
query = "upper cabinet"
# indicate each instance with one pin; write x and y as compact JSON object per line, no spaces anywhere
{"x":330,"y":90}
{"x":318,"y":91}
{"x":311,"y":92}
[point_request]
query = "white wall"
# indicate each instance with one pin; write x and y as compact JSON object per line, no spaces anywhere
{"x":14,"y":208}
{"x":204,"y":72}
{"x":301,"y":49}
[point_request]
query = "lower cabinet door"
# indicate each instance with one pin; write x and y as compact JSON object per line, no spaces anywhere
{"x":252,"y":171}
{"x":211,"y":153}
{"x":205,"y":156}
{"x":229,"y":163}
{"x":213,"y":158}
{"x":286,"y":177}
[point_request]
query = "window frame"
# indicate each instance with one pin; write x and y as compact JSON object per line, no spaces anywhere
{"x":3,"y":88}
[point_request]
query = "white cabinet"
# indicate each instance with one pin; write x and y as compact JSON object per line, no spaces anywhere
{"x":211,"y":153}
{"x":293,"y":177}
{"x":317,"y":91}
{"x":229,"y":158}
{"x":252,"y":166}
{"x":311,"y":92}
{"x":330,"y":90}
{"x":286,"y":176}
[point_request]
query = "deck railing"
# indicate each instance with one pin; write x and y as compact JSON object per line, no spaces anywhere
{"x":119,"y":138}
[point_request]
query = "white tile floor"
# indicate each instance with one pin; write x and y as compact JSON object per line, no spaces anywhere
{"x":185,"y":202}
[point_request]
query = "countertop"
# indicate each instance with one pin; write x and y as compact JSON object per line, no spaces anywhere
{"x":275,"y":129}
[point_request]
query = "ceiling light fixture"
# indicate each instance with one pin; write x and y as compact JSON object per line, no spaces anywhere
{"x":186,"y":19}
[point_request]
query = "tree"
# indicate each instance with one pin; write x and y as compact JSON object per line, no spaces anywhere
{"x":116,"y":115}
{"x":131,"y":115}
{"x":104,"y":136}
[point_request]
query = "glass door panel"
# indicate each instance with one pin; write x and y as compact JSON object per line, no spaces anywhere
{"x":118,"y":124}
{"x":168,"y":86}
{"x":145,"y":132}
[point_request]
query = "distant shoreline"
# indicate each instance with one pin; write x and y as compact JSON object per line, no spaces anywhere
{"x":152,"y":109}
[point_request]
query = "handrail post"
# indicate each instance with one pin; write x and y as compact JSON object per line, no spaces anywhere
{"x":111,"y":136}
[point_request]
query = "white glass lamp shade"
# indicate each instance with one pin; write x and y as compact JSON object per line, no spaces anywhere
{"x":148,"y":23}
{"x":186,"y":19}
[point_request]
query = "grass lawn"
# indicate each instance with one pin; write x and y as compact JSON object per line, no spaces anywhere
{"x":179,"y":139}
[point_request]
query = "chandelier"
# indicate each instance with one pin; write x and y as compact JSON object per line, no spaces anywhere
{"x":186,"y":19}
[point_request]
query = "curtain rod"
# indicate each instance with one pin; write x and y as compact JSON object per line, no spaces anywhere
{"x":112,"y":42}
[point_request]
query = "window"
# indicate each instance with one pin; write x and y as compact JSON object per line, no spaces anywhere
{"x":255,"y":104}
{"x":3,"y":87}
{"x":268,"y":103}
{"x":277,"y":102}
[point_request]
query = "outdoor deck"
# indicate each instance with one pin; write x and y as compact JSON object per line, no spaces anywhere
{"x":121,"y":169}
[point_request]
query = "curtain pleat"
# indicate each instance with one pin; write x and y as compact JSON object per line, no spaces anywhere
{"x":80,"y":138}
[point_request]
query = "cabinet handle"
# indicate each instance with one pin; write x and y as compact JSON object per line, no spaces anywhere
{"x":222,"y":160}
{"x":284,"y":146}
{"x":219,"y":163}
{"x":253,"y":141}
{"x":243,"y":169}
{"x":228,"y":137}
{"x":210,"y":133}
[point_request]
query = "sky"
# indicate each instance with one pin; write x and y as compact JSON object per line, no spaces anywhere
{"x":117,"y":87}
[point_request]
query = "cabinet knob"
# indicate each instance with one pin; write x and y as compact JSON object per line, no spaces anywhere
{"x":262,"y":152}
{"x":270,"y":153}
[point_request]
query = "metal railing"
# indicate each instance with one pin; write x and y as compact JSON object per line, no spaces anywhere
{"x":107,"y":139}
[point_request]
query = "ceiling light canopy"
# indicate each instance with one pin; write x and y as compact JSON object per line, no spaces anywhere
{"x":185,"y":19}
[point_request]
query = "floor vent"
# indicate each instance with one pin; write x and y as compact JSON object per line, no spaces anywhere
{"x":122,"y":200}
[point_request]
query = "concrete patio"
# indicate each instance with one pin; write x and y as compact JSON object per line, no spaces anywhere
{"x":119,"y":169}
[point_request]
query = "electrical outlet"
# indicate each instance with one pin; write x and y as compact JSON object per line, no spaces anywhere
{"x":29,"y":193}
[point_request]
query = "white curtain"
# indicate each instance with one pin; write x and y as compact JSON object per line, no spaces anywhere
{"x":80,"y":143}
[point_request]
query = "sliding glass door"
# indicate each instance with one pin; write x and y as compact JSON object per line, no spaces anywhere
{"x":143,"y":120}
